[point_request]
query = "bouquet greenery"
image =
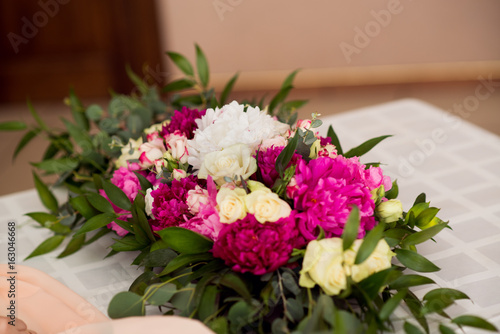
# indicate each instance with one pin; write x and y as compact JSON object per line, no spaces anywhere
{"x":241,"y":215}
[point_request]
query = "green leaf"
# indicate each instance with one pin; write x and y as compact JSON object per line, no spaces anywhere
{"x":420,"y":199}
{"x":74,"y":245}
{"x":208,"y":302}
{"x":227,"y":90}
{"x":393,"y":192}
{"x":426,"y":216}
{"x":202,"y":66}
{"x":419,"y":237}
{"x":100,"y":203}
{"x":369,"y":243}
{"x":140,"y":84}
{"x":289,"y":79}
{"x":102,"y":232}
{"x":43,"y":218}
{"x":28,"y":136}
{"x":407,"y":281}
{"x":78,"y":111}
{"x":96,"y":222}
{"x":185,"y":241}
{"x":145,"y":184}
{"x":140,"y":284}
{"x":219,"y":325}
{"x":239,"y":315}
{"x":82,"y":205}
{"x":116,"y":195}
{"x":290,"y":283}
{"x":473,"y":321}
{"x":159,"y":258}
{"x":445,"y":330}
{"x":233,"y":281}
{"x":365,"y":147}
{"x":335,"y":140}
{"x":159,"y":294}
{"x":415,"y":261}
{"x":127,"y":244}
{"x":185,"y":259}
{"x":47,"y":246}
{"x":57,"y":166}
{"x":48,"y":199}
{"x":411,"y":329}
{"x":390,"y":305}
{"x":439,"y":299}
{"x":181,"y":62}
{"x":278,"y":98}
{"x":178,"y":85}
{"x":351,"y":228}
{"x":12,"y":126}
{"x":126,"y":304}
{"x":37,"y":118}
{"x":375,"y":282}
{"x":286,"y":154}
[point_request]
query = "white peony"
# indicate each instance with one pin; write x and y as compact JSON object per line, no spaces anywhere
{"x":229,"y":125}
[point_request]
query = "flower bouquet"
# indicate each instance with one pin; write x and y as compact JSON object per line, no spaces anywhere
{"x":241,"y":215}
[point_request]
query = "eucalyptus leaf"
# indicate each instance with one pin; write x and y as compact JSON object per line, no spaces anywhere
{"x":59,"y":166}
{"x":160,"y":294}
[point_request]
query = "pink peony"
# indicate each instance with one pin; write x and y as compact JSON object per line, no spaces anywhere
{"x":266,"y":164}
{"x":249,"y":246}
{"x":327,"y":190}
{"x":127,"y":181}
{"x":206,"y":221}
{"x":169,"y":203}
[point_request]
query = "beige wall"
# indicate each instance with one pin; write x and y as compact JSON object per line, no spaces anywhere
{"x":337,"y":42}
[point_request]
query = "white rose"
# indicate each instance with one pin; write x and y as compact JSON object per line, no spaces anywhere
{"x":379,"y":260}
{"x":231,"y":204}
{"x":278,"y":141}
{"x":266,"y":205}
{"x":178,"y":174}
{"x":234,"y":160}
{"x":323,"y":265}
{"x":129,"y":152}
{"x":148,"y":199}
{"x":389,"y":211}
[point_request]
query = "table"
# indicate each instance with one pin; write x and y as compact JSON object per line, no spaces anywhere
{"x":454,"y":162}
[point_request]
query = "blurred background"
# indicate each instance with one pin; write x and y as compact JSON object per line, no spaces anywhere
{"x":351,"y":54}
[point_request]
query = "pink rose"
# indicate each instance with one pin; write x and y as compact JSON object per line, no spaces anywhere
{"x":304,"y":124}
{"x":151,"y":151}
{"x":278,"y":141}
{"x":292,"y":188}
{"x":177,"y":145}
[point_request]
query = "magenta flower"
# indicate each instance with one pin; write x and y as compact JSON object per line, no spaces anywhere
{"x":169,"y":205}
{"x":249,"y":246}
{"x":327,"y":190}
{"x":266,"y":164}
{"x":183,"y":121}
{"x":127,"y":181}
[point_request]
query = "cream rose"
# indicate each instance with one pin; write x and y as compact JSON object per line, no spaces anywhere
{"x":129,"y":152}
{"x":323,"y":265}
{"x":151,"y":151}
{"x":389,"y":211}
{"x":379,"y":260}
{"x":234,"y":160}
{"x":266,"y":205}
{"x":231,"y":204}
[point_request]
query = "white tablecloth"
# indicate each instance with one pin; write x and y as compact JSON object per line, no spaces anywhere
{"x":454,"y":162}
